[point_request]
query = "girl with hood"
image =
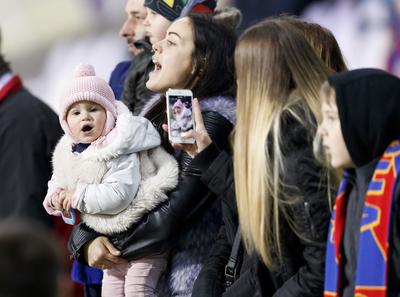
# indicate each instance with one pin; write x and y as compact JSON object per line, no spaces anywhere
{"x":360,"y":130}
{"x":109,"y":165}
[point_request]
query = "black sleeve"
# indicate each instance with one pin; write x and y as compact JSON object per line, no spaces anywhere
{"x":210,"y":281}
{"x":157,"y":230}
{"x":80,"y":236}
{"x":311,"y":217}
{"x":28,"y":134}
{"x":216,"y":167}
{"x":217,"y":174}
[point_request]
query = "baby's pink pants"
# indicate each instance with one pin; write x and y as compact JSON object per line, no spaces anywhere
{"x":136,"y":278}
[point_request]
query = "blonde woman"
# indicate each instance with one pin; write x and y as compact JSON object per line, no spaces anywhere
{"x":281,"y":191}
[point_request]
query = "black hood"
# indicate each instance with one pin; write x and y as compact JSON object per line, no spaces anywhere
{"x":368,"y":102}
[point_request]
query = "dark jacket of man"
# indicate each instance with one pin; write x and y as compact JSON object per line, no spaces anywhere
{"x":29,"y":131}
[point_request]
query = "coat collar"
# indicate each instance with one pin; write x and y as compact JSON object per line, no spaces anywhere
{"x":9,"y":83}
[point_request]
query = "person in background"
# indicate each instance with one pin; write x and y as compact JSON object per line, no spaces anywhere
{"x":31,"y":262}
{"x":161,"y":14}
{"x":29,"y":131}
{"x":134,"y":32}
{"x":360,"y":130}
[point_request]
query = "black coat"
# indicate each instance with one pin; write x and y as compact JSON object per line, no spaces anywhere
{"x":158,"y":231}
{"x":302,"y":270}
{"x":29,"y":131}
{"x":135,"y":94}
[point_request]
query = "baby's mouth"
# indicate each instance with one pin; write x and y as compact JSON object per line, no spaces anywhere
{"x":87,"y":128}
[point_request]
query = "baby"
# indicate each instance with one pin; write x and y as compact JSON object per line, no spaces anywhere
{"x":109,"y":165}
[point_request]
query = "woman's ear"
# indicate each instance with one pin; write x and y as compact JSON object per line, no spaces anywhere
{"x":194,"y":69}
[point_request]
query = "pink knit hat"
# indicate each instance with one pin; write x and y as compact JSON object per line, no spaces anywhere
{"x":86,"y":86}
{"x":178,"y":103}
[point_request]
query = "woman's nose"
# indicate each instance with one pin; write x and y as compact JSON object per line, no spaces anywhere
{"x":157,"y":47}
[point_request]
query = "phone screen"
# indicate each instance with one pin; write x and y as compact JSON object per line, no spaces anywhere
{"x":180,"y":117}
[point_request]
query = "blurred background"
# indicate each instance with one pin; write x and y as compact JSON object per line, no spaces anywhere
{"x":44,"y":40}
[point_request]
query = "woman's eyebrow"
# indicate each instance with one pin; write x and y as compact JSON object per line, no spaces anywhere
{"x":174,"y":33}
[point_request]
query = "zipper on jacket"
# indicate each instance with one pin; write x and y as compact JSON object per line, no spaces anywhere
{"x":308,"y":214}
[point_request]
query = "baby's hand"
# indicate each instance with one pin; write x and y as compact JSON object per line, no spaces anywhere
{"x":66,"y":199}
{"x":57,"y":198}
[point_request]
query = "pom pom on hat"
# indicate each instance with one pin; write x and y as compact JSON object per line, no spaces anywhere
{"x":84,"y":70}
{"x":178,"y":103}
{"x":86,"y":86}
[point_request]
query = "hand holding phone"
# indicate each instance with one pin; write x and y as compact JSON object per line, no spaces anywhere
{"x":179,"y":114}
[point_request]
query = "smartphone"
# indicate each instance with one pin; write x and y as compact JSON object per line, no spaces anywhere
{"x":179,"y":114}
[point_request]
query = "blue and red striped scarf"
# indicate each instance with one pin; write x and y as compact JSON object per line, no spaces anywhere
{"x":371,"y":273}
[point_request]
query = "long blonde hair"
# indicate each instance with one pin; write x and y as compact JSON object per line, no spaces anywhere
{"x":273,"y":61}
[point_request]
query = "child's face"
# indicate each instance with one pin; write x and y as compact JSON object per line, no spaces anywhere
{"x":86,"y":121}
{"x":173,"y":58}
{"x":177,"y":109}
{"x":156,"y":26}
{"x":332,"y":137}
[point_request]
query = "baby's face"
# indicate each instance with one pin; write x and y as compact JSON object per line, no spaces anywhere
{"x":86,"y":121}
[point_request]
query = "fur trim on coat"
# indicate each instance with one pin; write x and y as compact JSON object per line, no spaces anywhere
{"x":159,"y":175}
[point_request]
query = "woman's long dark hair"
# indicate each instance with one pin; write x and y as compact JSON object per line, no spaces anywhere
{"x":214,"y":75}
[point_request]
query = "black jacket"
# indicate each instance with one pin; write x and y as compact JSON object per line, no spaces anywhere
{"x":157,"y":231}
{"x":302,"y":270}
{"x":29,"y":131}
{"x":135,"y":94}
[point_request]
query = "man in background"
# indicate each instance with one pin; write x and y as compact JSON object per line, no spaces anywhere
{"x":128,"y":80}
{"x":29,"y":131}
